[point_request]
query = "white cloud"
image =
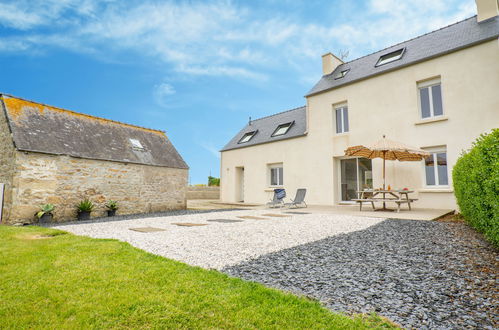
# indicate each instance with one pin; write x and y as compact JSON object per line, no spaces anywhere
{"x":162,"y":92}
{"x":220,"y":38}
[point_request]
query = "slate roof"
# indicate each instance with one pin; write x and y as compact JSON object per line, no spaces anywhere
{"x":41,"y":128}
{"x":443,"y":41}
{"x":266,"y":126}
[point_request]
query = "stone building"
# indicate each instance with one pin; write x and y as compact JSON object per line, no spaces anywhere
{"x":57,"y":156}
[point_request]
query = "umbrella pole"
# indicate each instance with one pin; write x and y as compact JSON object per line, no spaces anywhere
{"x":384,"y":160}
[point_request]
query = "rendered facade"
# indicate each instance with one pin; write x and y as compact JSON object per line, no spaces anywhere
{"x":437,"y":92}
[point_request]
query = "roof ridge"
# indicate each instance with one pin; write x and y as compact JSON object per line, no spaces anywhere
{"x":417,"y":37}
{"x":278,"y":113}
{"x":81,"y":113}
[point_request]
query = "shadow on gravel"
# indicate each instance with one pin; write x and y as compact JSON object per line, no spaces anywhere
{"x":422,"y":274}
{"x":137,"y":216}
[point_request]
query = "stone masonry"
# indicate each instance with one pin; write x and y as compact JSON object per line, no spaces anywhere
{"x":64,"y":181}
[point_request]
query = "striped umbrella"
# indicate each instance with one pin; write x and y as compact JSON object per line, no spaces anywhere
{"x":388,"y":149}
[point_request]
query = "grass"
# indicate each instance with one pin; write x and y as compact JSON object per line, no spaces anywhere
{"x":52,"y":279}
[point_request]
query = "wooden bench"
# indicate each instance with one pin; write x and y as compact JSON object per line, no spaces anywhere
{"x":394,"y":200}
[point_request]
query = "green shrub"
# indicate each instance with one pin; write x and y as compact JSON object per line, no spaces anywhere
{"x":212,"y":181}
{"x":476,"y":185}
{"x":45,"y":209}
{"x":112,"y":205}
{"x":85,"y":206}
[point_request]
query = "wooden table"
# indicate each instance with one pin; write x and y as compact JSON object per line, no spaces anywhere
{"x":394,"y":196}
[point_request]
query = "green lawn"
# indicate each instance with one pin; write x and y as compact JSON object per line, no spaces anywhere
{"x":52,"y":279}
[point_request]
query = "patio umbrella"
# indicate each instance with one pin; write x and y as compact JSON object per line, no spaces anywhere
{"x":388,"y":149}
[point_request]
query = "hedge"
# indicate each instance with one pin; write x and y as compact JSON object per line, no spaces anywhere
{"x":476,"y":185}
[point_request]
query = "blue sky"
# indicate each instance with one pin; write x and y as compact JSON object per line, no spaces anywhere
{"x":196,"y":69}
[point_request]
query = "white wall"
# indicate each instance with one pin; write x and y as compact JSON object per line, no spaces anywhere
{"x":386,"y":104}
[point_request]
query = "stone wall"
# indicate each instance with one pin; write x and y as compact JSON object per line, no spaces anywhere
{"x":7,"y":159}
{"x":203,"y":192}
{"x":64,"y":181}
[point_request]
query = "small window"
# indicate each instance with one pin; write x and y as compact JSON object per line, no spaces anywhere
{"x":430,"y":99}
{"x":247,"y":136}
{"x":276,"y":175}
{"x":436,"y":169}
{"x":282,"y":129}
{"x":341,"y":74}
{"x":341,"y":114}
{"x":136,"y":144}
{"x":390,"y":57}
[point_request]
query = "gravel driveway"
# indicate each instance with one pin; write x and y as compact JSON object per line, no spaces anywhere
{"x":421,"y":274}
{"x":220,"y":244}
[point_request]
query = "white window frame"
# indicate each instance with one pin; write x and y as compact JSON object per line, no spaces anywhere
{"x":280,"y":178}
{"x":342,"y":106}
{"x":428,"y":84}
{"x":136,"y":144}
{"x":434,"y":151}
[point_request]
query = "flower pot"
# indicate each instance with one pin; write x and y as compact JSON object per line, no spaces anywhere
{"x":111,"y":213}
{"x":45,"y":218}
{"x":83,"y":215}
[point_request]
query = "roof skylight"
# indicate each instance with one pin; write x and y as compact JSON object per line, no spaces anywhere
{"x":341,"y":74}
{"x":282,"y":129}
{"x":136,"y":144}
{"x":390,"y":57}
{"x":247,"y":136}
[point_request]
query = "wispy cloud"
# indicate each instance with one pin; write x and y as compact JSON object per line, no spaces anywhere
{"x":162,"y":92}
{"x":220,"y":38}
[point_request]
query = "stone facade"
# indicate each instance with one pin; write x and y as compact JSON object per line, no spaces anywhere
{"x":7,"y":161}
{"x":64,"y":181}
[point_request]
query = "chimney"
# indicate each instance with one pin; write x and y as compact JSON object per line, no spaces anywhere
{"x":486,"y":9}
{"x":331,"y":62}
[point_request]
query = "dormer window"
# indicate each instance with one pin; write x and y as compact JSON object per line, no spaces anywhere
{"x":136,"y":144}
{"x":390,"y":57}
{"x":341,"y":74}
{"x":247,"y":136}
{"x":282,"y":129}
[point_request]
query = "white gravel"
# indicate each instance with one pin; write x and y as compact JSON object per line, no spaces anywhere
{"x":219,"y":245}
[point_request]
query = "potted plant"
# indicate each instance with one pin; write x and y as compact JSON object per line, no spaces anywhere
{"x":112,"y":206}
{"x":84,"y":208}
{"x":45,"y":214}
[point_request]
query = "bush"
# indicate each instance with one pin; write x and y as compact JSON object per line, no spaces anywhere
{"x":476,"y":185}
{"x":212,"y":181}
{"x":85,"y":206}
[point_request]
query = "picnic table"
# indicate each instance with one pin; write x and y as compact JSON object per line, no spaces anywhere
{"x":394,"y":196}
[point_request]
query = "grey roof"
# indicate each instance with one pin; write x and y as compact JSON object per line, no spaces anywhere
{"x":266,"y":126}
{"x":41,"y":128}
{"x":445,"y":40}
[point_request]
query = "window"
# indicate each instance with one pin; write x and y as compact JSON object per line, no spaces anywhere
{"x":136,"y":144}
{"x":341,"y":114}
{"x":247,"y":136}
{"x":282,"y":129}
{"x":390,"y":57}
{"x":436,"y":169}
{"x":276,"y":175}
{"x":341,"y":74}
{"x":430,"y":99}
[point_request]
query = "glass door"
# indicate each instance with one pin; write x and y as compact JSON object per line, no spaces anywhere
{"x":356,"y":174}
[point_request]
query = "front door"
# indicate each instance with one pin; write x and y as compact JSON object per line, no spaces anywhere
{"x":356,"y":174}
{"x":239,"y":184}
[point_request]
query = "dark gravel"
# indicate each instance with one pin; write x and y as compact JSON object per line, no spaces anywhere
{"x":420,"y":274}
